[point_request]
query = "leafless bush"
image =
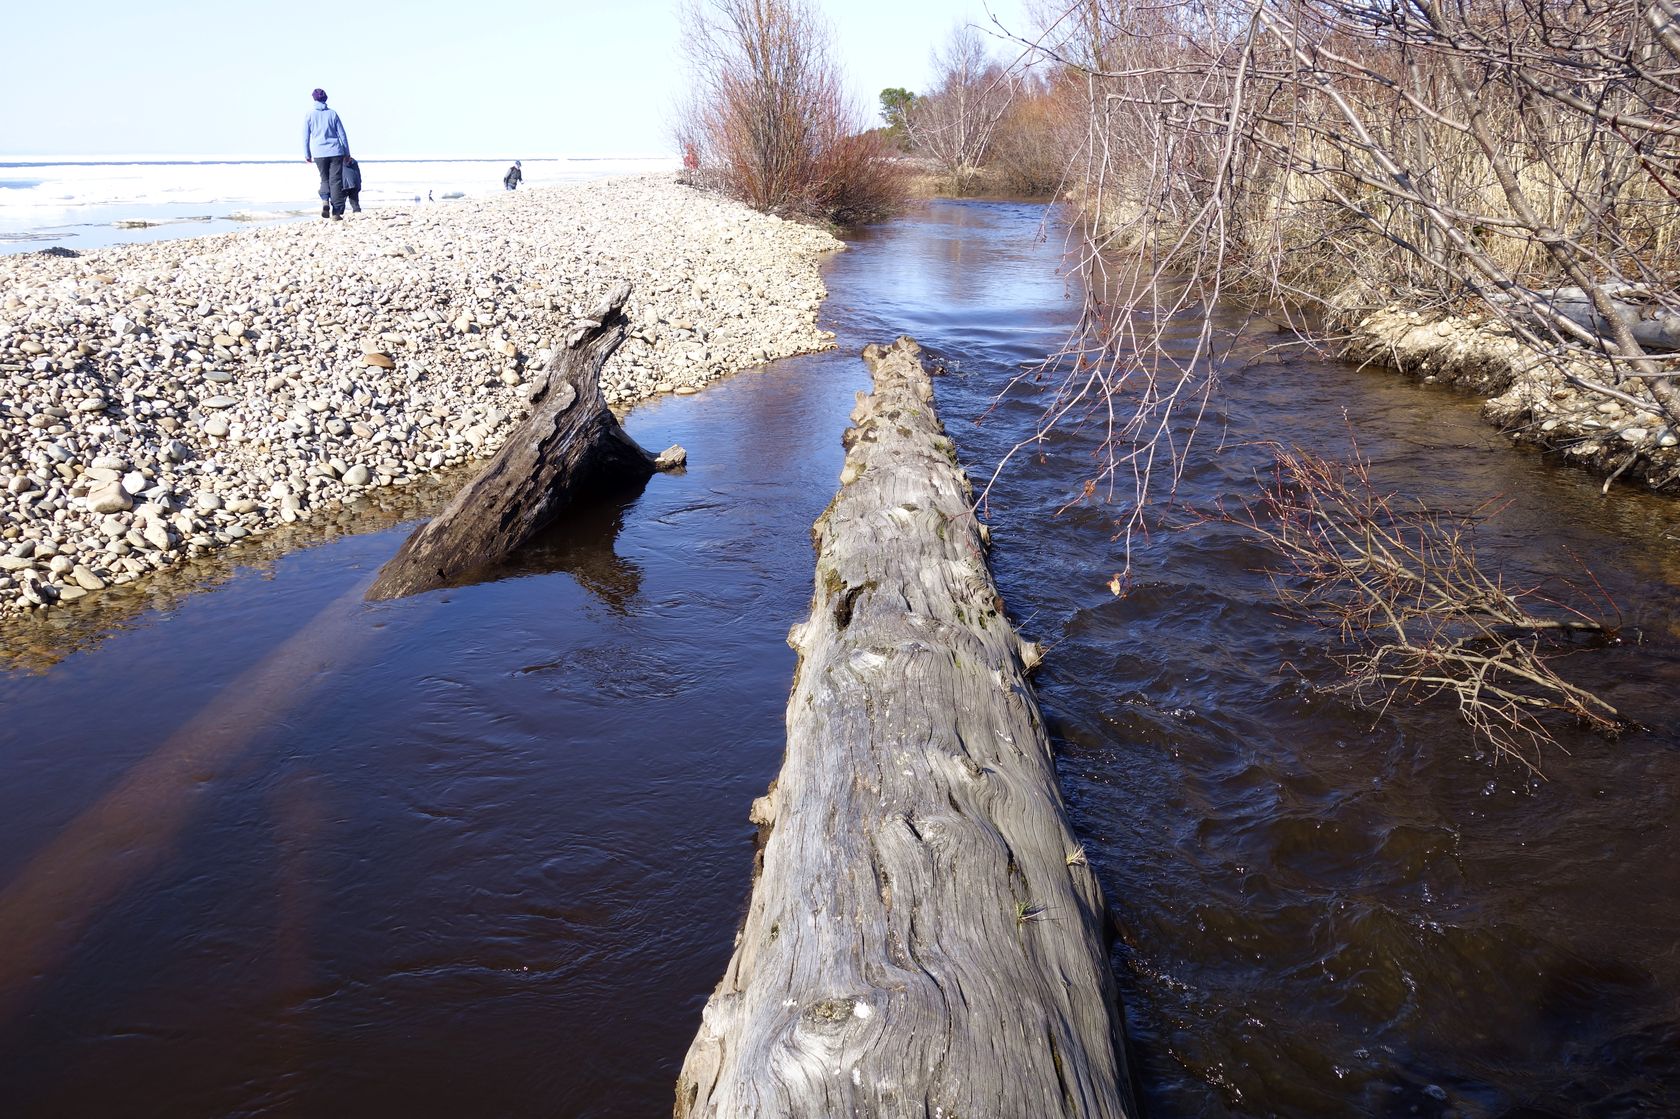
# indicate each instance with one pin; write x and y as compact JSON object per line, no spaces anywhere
{"x":1037,"y":137}
{"x":953,"y":124}
{"x":767,"y":115}
{"x":1415,"y":615}
{"x":860,"y":179}
{"x":1330,"y":157}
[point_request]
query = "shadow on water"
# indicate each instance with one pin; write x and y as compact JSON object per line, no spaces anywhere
{"x":584,"y":546}
{"x":581,"y":543}
{"x":268,"y":850}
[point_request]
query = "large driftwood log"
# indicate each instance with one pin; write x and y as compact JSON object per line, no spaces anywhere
{"x":571,"y":441}
{"x":924,"y":936}
{"x":1652,"y":324}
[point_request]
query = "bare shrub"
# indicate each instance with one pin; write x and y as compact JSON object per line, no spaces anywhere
{"x":1327,"y":158}
{"x":1332,"y":157}
{"x":767,"y":117}
{"x":859,"y":179}
{"x":1036,"y":138}
{"x":953,"y":124}
{"x":1414,"y":614}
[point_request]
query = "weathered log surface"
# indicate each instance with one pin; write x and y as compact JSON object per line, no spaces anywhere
{"x":924,"y":936}
{"x":1652,"y":324}
{"x":571,"y":441}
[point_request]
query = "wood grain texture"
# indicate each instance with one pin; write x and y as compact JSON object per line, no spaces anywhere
{"x":569,"y":443}
{"x":1652,"y":325}
{"x":924,"y":937}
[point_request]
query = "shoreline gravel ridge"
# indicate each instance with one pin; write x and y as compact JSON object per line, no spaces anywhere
{"x":168,"y":399}
{"x":1525,"y":395}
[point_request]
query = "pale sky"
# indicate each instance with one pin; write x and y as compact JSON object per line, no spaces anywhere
{"x":489,"y":78}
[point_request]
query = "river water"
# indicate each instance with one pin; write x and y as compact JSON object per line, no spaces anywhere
{"x":266,"y":850}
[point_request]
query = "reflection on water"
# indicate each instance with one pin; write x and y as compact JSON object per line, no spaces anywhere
{"x":51,"y":898}
{"x":265,"y":849}
{"x":582,"y":546}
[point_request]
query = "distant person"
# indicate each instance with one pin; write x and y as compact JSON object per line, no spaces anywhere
{"x":353,"y":184}
{"x":513,"y":177}
{"x":327,"y":145}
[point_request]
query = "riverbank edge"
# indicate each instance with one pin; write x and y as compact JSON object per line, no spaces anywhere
{"x":1525,"y":393}
{"x":141,"y":497}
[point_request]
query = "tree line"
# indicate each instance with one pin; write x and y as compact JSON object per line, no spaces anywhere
{"x":767,"y":119}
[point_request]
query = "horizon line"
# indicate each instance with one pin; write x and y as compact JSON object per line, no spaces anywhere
{"x":270,"y":157}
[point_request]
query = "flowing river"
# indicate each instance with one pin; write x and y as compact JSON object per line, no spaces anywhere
{"x":266,"y":850}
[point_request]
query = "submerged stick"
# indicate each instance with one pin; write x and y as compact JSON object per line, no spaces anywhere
{"x":924,"y":936}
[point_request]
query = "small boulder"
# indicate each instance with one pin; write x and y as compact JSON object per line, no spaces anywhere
{"x":110,"y":498}
{"x":35,"y":591}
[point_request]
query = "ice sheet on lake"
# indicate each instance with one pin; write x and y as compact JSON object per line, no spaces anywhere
{"x":81,"y":201}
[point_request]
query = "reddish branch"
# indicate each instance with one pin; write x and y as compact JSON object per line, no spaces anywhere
{"x":1415,"y":615}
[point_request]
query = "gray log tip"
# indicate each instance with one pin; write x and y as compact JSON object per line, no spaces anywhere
{"x":876,"y":352}
{"x":607,"y":313}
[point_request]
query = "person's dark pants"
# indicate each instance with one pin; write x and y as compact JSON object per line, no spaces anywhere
{"x":331,"y":168}
{"x":354,"y":197}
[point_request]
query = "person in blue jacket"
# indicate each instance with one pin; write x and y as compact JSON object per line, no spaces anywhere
{"x":327,"y":145}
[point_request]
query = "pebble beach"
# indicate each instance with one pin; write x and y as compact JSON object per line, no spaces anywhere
{"x":164,"y":400}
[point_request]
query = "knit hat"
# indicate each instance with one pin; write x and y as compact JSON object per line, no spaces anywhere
{"x":319,"y":95}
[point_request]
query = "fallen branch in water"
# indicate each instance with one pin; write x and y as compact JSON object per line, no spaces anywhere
{"x":1415,"y":613}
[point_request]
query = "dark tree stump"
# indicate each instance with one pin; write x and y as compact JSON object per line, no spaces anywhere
{"x":570,"y":443}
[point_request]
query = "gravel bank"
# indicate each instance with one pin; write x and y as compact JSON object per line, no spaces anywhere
{"x":166,"y":399}
{"x":1527,"y":397}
